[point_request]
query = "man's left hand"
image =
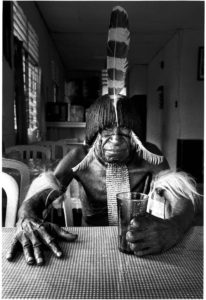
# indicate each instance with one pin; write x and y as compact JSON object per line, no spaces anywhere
{"x":149,"y":235}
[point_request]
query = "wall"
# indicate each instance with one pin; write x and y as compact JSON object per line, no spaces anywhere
{"x":47,"y":53}
{"x":182,"y":115}
{"x":137,"y":80}
{"x":191,"y":89}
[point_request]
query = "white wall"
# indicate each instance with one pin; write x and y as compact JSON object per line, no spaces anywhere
{"x":137,"y":80}
{"x":182,"y":116}
{"x":191,"y":90}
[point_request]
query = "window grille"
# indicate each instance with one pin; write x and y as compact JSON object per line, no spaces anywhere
{"x":24,"y":31}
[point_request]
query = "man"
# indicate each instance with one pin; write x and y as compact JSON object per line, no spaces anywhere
{"x":115,"y":161}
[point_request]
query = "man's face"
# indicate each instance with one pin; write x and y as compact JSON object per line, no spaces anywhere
{"x":115,"y":145}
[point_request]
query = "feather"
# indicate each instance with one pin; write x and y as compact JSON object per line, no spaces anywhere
{"x":178,"y":184}
{"x":117,"y":50}
{"x":147,"y":155}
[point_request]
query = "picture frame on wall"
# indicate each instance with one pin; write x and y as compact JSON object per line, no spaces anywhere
{"x":200,"y":69}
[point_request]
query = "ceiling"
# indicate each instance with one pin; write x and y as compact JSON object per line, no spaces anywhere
{"x":79,"y":28}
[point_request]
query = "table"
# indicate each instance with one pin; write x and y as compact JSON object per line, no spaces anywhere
{"x":93,"y":268}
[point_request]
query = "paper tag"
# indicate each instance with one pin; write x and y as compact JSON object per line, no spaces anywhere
{"x":156,"y":206}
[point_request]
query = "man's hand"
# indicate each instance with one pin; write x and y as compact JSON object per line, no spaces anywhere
{"x":32,"y":234}
{"x":149,"y":235}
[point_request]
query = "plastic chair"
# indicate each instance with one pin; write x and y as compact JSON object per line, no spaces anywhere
{"x":51,"y":145}
{"x":67,"y":145}
{"x":27,"y":152}
{"x":11,"y":189}
{"x":23,"y":171}
{"x":72,"y":202}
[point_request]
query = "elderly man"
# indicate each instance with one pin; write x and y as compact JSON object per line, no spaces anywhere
{"x":115,"y":161}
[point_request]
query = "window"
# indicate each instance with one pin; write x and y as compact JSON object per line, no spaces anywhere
{"x":24,"y":31}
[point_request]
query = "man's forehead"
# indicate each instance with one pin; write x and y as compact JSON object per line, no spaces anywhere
{"x":115,"y":128}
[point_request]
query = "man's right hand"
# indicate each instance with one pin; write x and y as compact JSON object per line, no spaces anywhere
{"x":32,"y":234}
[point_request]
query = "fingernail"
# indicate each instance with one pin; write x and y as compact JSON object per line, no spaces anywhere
{"x":75,"y":236}
{"x":30,"y":261}
{"x":40,"y":261}
{"x":59,"y":254}
{"x":9,"y":256}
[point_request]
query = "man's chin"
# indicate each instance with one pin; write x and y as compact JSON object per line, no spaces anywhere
{"x":115,"y":157}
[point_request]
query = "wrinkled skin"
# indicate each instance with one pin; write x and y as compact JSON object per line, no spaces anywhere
{"x":115,"y":145}
{"x":33,"y":234}
{"x":145,"y":235}
{"x":149,"y":234}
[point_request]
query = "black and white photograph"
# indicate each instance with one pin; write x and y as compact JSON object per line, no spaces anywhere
{"x":102,"y":149}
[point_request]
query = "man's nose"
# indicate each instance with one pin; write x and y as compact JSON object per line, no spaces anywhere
{"x":116,"y":137}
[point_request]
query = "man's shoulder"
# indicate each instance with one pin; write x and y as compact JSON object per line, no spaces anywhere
{"x":78,"y":152}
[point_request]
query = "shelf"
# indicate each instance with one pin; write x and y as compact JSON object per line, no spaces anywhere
{"x":66,"y":124}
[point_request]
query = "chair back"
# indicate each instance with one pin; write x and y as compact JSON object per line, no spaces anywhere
{"x":67,"y":145}
{"x":23,"y":171}
{"x":51,"y":145}
{"x":27,"y":152}
{"x":72,"y":203}
{"x":11,"y":189}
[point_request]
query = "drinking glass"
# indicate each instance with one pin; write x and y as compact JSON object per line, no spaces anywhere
{"x":129,"y":205}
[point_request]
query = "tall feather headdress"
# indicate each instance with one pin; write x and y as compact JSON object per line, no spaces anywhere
{"x":117,"y":64}
{"x":117,"y":51}
{"x":100,"y":113}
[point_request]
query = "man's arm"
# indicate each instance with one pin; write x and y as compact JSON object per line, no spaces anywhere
{"x":153,"y":233}
{"x":32,"y":232}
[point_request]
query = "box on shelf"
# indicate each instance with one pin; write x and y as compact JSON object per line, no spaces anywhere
{"x":76,"y":113}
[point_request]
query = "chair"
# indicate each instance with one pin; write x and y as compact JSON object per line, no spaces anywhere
{"x":51,"y":145}
{"x":23,"y":170}
{"x":72,"y":202}
{"x":10,"y":186}
{"x":27,"y":152}
{"x":67,"y":145}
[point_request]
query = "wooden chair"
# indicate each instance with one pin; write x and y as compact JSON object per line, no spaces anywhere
{"x":27,"y":152}
{"x":10,"y":186}
{"x":22,"y":170}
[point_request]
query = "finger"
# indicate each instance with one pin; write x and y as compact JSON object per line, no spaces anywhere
{"x":144,"y":252}
{"x":138,"y":246}
{"x":134,"y":223}
{"x":37,"y":248}
{"x":62,"y":233}
{"x":133,"y":236}
{"x":45,"y":236}
{"x":55,"y":249}
{"x":13,"y":249}
{"x":140,"y":223}
{"x":49,"y":240}
{"x":38,"y":255}
{"x":28,"y":255}
{"x":27,"y":249}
